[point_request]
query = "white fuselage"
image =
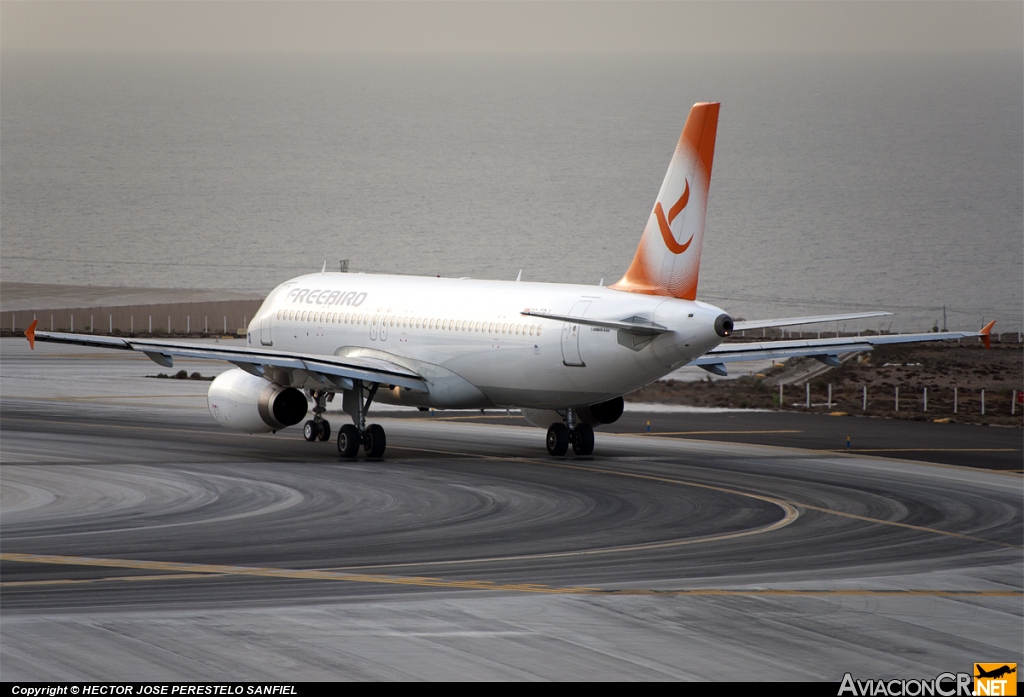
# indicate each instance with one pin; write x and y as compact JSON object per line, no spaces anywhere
{"x":471,"y":345}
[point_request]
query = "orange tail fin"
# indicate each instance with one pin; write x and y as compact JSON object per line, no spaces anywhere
{"x":986,"y":334}
{"x":667,"y":262}
{"x":31,"y":334}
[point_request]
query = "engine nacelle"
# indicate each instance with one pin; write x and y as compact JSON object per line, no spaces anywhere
{"x":603,"y":413}
{"x":243,"y":402}
{"x":594,"y":415}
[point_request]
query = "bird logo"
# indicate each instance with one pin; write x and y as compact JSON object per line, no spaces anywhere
{"x":665,"y":224}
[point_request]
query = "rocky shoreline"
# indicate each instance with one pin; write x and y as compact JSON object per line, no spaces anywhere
{"x":939,"y":367}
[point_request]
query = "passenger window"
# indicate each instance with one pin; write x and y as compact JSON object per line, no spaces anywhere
{"x":538,"y":329}
{"x":531,"y":330}
{"x":444,"y":324}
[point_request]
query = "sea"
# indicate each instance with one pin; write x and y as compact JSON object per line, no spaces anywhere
{"x":841,"y":182}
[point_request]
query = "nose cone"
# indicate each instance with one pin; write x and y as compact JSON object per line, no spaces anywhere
{"x":723,"y":325}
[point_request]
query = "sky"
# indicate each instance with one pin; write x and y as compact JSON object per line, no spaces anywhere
{"x":470,"y":26}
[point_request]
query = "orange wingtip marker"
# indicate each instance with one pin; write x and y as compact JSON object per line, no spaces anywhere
{"x":986,"y":332}
{"x":31,"y":334}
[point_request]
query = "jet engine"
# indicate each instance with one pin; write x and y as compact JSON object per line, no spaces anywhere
{"x":593,"y":415}
{"x":603,"y":413}
{"x":240,"y":401}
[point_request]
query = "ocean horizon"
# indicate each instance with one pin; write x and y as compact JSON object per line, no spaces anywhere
{"x":841,"y":182}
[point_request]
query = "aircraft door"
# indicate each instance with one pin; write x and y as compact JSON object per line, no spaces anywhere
{"x":266,"y":336}
{"x":373,"y":327}
{"x":571,"y":336}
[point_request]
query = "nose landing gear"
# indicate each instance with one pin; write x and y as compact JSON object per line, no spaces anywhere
{"x":317,"y":428}
{"x":579,"y":435}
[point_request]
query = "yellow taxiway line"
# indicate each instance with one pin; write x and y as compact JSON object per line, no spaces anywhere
{"x":182,"y":570}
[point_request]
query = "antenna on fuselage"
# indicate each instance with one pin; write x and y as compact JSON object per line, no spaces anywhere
{"x":324,"y":269}
{"x":520,"y":276}
{"x":600,"y":283}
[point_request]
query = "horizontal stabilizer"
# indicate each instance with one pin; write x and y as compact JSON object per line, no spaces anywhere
{"x":744,"y":325}
{"x":635,"y":325}
{"x":825,"y":350}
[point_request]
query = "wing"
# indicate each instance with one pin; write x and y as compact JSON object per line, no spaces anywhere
{"x":743,"y":325}
{"x":333,"y":372}
{"x":825,"y":350}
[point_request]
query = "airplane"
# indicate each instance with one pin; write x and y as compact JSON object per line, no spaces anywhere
{"x":995,"y":673}
{"x":563,"y":354}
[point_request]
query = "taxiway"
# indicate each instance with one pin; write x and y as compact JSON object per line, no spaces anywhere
{"x":140,"y":541}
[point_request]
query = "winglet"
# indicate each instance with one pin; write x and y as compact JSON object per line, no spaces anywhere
{"x":986,"y":332}
{"x":31,"y":334}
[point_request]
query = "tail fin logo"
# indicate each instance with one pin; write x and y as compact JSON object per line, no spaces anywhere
{"x":666,"y":224}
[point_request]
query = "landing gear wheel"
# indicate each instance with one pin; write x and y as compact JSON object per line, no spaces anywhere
{"x":583,"y":440}
{"x":558,"y":440}
{"x":375,"y":441}
{"x":310,"y":431}
{"x":348,"y":441}
{"x":325,"y":431}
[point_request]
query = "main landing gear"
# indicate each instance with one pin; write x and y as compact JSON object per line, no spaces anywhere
{"x":317,"y":428}
{"x":579,"y":435}
{"x":351,"y":436}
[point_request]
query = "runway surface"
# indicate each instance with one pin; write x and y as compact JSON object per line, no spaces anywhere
{"x":142,"y":541}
